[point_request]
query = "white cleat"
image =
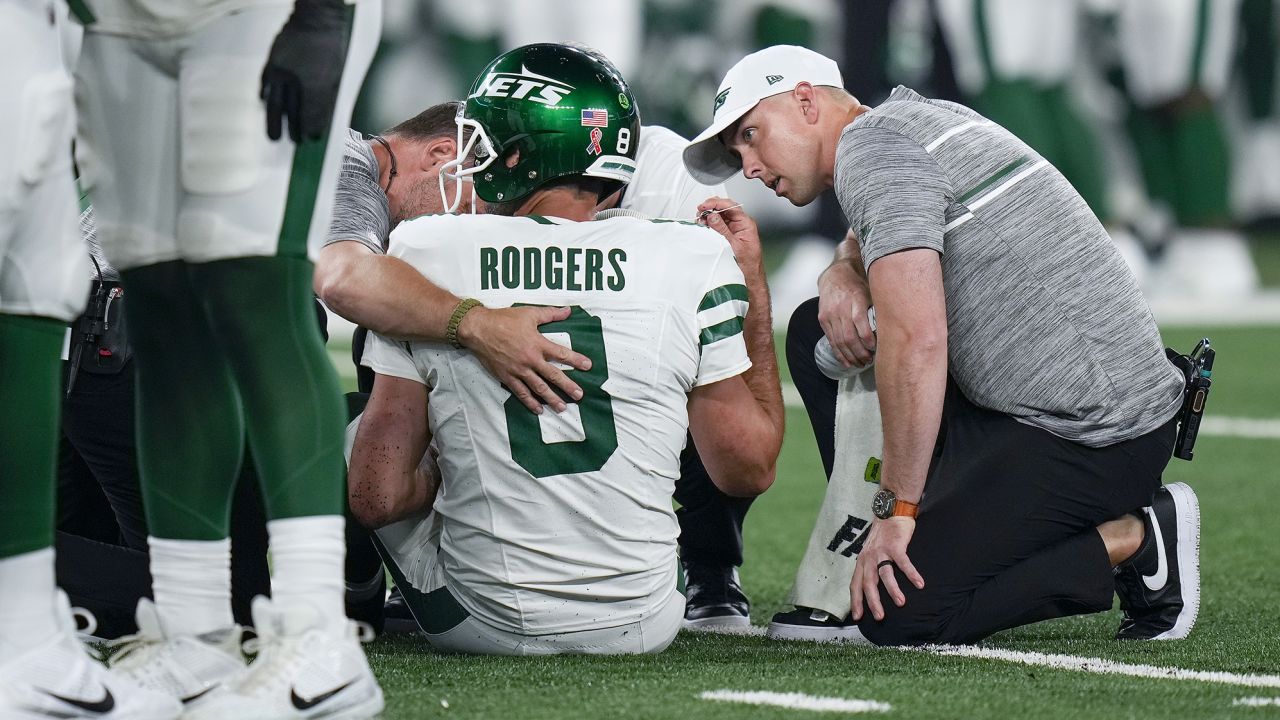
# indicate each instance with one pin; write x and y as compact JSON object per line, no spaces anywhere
{"x":185,"y":667}
{"x":58,"y":679}
{"x":303,"y":670}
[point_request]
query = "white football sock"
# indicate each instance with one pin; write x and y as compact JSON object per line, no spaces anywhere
{"x":191,"y":583}
{"x":307,"y":555}
{"x":28,"y":599}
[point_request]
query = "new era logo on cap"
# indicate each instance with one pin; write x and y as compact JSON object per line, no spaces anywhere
{"x":773,"y":79}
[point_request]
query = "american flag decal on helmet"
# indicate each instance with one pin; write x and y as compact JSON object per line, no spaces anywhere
{"x":595,"y":118}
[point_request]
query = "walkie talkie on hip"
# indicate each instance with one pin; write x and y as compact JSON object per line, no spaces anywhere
{"x":1197,"y":368}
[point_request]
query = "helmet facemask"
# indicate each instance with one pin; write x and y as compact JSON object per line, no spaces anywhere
{"x":456,"y":169}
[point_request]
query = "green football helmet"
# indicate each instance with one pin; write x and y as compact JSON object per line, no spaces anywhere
{"x":566,"y":109}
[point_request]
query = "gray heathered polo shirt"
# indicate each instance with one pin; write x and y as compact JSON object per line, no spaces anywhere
{"x":1045,"y":321}
{"x":360,"y":209}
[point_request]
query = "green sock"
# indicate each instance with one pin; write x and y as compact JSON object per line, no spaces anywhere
{"x":190,"y":426}
{"x":263,"y":315}
{"x":30,"y":386}
{"x":1153,"y":143}
{"x":1203,"y":168}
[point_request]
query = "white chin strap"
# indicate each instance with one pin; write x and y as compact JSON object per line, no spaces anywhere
{"x":454,"y":170}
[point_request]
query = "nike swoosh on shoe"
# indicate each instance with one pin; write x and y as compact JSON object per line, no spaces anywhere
{"x":101,"y":707}
{"x":197,"y":696}
{"x":307,"y":703}
{"x":1158,"y":579}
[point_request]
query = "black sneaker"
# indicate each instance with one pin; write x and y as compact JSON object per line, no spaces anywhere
{"x":813,"y":625}
{"x":398,"y":617}
{"x":1159,"y":587}
{"x":714,"y":600}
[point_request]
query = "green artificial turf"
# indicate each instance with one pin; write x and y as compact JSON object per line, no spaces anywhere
{"x":1237,"y":480}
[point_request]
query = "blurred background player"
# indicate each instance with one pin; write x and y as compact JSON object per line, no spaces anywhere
{"x":44,"y":279}
{"x":1015,"y":63}
{"x":1177,"y":58}
{"x":601,"y":473}
{"x":210,"y":224}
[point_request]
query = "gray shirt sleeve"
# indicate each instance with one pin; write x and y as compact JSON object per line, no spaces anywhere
{"x":892,"y":191}
{"x":360,"y":211}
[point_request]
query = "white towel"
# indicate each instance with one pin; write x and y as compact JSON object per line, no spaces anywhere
{"x":822,"y":581}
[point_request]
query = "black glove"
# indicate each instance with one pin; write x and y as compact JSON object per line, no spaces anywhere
{"x":304,"y":69}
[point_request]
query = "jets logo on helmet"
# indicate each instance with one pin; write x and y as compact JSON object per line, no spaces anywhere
{"x":522,"y":85}
{"x":542,"y":112}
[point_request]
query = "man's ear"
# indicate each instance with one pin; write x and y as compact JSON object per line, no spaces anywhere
{"x":437,"y":152}
{"x":806,"y":97}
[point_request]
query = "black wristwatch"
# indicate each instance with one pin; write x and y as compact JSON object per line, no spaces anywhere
{"x":886,"y":505}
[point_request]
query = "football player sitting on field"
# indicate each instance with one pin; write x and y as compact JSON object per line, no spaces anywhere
{"x":545,"y":533}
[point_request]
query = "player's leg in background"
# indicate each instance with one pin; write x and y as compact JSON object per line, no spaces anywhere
{"x":817,"y":391}
{"x":251,"y":211}
{"x":710,"y":548}
{"x":1176,"y":79}
{"x":244,"y":229}
{"x":39,"y":293}
{"x":190,"y":432}
{"x":44,"y":280}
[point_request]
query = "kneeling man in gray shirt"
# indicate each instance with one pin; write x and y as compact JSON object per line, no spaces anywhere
{"x":1027,"y":403}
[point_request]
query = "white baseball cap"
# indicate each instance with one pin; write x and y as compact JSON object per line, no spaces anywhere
{"x":765,"y":73}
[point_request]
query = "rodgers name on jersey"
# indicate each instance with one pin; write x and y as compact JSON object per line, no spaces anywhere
{"x":553,"y":268}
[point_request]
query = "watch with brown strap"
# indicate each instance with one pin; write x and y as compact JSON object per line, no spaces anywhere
{"x":886,"y":505}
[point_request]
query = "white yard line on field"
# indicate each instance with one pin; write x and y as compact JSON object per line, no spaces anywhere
{"x":1242,"y":427}
{"x":796,"y":701}
{"x":1256,"y":702}
{"x":1101,"y":666}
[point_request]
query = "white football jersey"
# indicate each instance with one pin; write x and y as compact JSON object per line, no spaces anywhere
{"x":563,"y":522}
{"x":662,"y":187}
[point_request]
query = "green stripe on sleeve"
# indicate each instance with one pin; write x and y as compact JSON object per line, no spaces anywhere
{"x":999,"y":175}
{"x":722,"y":295}
{"x":720,"y":331}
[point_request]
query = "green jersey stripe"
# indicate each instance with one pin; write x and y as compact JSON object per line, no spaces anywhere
{"x":999,"y":175}
{"x":1202,"y":36}
{"x":82,"y":12}
{"x":720,"y":331}
{"x":722,"y":295}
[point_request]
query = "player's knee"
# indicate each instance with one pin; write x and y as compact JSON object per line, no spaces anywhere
{"x":803,"y":332}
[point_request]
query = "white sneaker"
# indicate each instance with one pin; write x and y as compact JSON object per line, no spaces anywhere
{"x":58,"y":679}
{"x":185,"y":667}
{"x":303,"y":670}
